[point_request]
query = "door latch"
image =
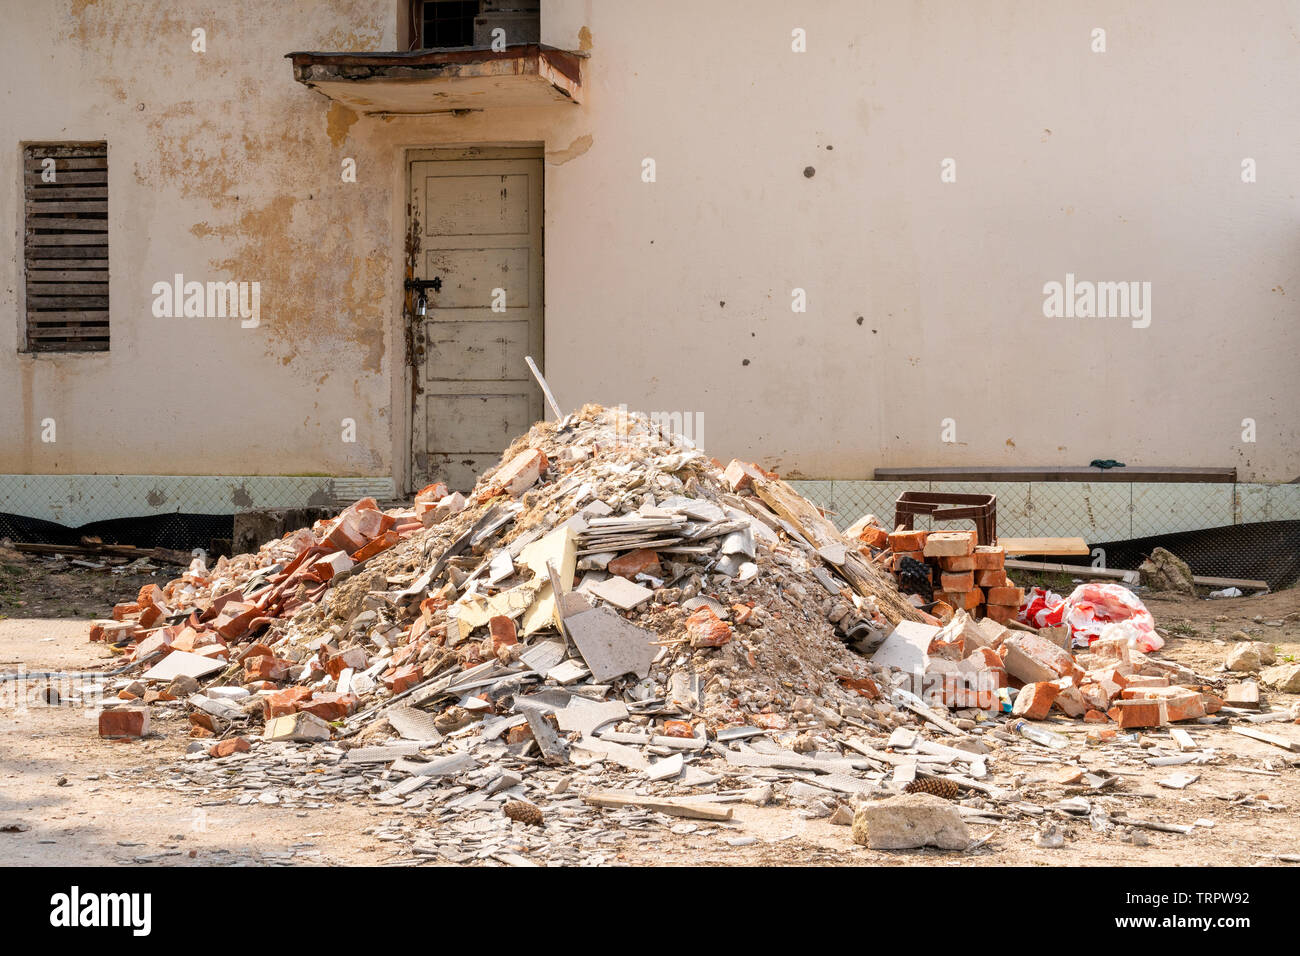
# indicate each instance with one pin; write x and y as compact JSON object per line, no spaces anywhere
{"x":421,"y":288}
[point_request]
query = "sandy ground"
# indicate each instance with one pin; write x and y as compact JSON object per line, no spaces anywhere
{"x":68,"y":797}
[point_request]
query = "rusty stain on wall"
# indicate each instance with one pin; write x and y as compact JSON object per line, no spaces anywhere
{"x":584,"y":40}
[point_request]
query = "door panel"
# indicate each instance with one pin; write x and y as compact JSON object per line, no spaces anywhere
{"x":476,"y":351}
{"x":480,"y":232}
{"x":470,"y":275}
{"x":476,"y":205}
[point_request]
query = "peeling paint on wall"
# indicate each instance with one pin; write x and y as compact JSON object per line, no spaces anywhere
{"x":575,"y":149}
{"x":338,"y":121}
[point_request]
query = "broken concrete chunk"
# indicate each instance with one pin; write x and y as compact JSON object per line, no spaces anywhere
{"x":1284,"y":678}
{"x":910,"y":821}
{"x":1249,"y":657}
{"x":907,"y":647}
{"x":299,"y":726}
{"x":1031,"y":658}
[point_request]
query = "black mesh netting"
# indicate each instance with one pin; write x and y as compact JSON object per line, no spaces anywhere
{"x":1266,"y":551}
{"x":179,"y":532}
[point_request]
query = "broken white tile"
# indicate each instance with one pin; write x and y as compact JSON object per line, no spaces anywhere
{"x":621,"y":592}
{"x":585,"y":716}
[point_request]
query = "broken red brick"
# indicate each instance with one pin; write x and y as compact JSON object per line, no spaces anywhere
{"x":741,"y":474}
{"x":958,"y":581}
{"x":381,"y":543}
{"x":150,"y":615}
{"x":1001,"y":613}
{"x":904,"y":541}
{"x":330,"y":706}
{"x":122,"y":611}
{"x":741,"y":613}
{"x":963,"y":600}
{"x":432,"y":493}
{"x":285,"y":702}
{"x":353,"y":657}
{"x":344,"y":535}
{"x":370,"y":523}
{"x":874,"y":537}
{"x":1034,"y":658}
{"x":517,"y":735}
{"x":996,"y":578}
{"x":502,"y":632}
{"x":862,"y":685}
{"x":706,"y":629}
{"x":640,"y":561}
{"x":261,"y":667}
{"x":403,"y":678}
{"x":235,"y":618}
{"x":231,"y":745}
{"x":517,"y":475}
{"x":1139,"y":713}
{"x":1181,"y":703}
{"x":678,"y":728}
{"x":1007,"y":597}
{"x":987,"y":659}
{"x":989,"y":557}
{"x":1035,"y":700}
{"x":120,"y":722}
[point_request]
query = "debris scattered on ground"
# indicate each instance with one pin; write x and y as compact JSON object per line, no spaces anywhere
{"x":612,"y":633}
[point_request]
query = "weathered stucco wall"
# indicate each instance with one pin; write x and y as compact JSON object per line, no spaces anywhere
{"x":220,"y":168}
{"x":924,"y":298}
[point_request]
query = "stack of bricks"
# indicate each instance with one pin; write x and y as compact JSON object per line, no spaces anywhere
{"x":967,"y":576}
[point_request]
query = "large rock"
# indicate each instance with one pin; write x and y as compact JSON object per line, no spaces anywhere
{"x":1284,"y":678}
{"x":1250,"y":657}
{"x":1164,"y":571}
{"x":910,"y":821}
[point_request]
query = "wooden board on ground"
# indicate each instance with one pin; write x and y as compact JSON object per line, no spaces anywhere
{"x":1274,"y":739}
{"x":1119,"y":574}
{"x":676,"y":808}
{"x":1044,"y":545}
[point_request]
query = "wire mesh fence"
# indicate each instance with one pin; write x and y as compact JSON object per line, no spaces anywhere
{"x":177,"y":512}
{"x":1227,"y":530}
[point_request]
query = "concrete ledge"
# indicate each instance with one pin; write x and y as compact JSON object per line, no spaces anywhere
{"x":74,"y":500}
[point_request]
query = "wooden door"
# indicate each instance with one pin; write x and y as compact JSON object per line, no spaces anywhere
{"x":480,"y":230}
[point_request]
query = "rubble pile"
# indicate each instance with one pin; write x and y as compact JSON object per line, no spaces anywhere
{"x":611,"y":633}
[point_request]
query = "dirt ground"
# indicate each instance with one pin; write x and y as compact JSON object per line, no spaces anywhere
{"x":42,"y":586}
{"x":68,"y":797}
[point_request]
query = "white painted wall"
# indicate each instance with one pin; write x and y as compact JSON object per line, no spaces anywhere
{"x":1123,"y":165}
